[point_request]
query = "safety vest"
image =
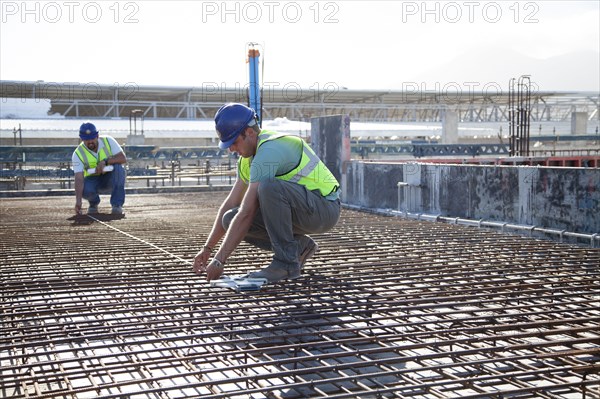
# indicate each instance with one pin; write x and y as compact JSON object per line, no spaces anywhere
{"x":88,"y":158}
{"x":310,"y":172}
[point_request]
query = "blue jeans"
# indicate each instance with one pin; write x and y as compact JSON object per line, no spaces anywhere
{"x":112,"y":183}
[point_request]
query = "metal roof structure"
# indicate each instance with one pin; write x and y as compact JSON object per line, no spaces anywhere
{"x":415,"y":104}
{"x":388,"y":308}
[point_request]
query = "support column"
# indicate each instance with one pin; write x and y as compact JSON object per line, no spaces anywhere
{"x":579,"y":122}
{"x":330,"y":139}
{"x":450,"y":127}
{"x":135,"y":139}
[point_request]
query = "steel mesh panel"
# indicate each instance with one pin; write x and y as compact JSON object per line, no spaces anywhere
{"x":387,"y":308}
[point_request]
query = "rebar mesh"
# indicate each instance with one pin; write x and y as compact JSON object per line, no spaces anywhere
{"x":388,"y":308}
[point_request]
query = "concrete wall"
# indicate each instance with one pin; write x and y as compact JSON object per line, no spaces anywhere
{"x":559,"y":198}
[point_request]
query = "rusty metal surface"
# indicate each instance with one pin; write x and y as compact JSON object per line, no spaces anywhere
{"x":388,"y":308}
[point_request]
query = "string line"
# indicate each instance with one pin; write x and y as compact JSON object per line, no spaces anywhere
{"x":143,"y":241}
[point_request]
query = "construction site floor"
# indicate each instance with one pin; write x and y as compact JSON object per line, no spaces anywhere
{"x":388,"y":308}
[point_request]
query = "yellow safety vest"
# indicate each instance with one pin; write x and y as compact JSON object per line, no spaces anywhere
{"x":89,"y":159}
{"x":310,"y":172}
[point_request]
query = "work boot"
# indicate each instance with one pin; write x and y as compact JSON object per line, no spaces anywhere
{"x":92,"y":209}
{"x":277,"y":273}
{"x":308,"y":247}
{"x":117,"y":210}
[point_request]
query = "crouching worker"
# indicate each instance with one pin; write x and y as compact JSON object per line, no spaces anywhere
{"x":98,"y":167}
{"x":283,"y":192}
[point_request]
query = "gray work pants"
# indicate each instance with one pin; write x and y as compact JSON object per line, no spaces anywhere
{"x":287,"y":212}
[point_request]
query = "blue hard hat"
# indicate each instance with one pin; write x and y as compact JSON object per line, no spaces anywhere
{"x":231,"y":120}
{"x":87,"y":131}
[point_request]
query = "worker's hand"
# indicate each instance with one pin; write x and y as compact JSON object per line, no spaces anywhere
{"x":214,"y":270}
{"x":100,"y":167}
{"x":78,"y":209}
{"x":201,"y":260}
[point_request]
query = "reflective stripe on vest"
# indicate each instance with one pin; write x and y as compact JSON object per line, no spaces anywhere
{"x":88,"y":158}
{"x":310,"y":172}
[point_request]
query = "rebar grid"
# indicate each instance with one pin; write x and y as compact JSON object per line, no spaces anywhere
{"x":389,"y":308}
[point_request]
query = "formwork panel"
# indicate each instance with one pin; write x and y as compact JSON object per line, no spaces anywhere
{"x":388,"y":308}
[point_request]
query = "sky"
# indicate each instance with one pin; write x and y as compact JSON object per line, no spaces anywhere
{"x":309,"y":45}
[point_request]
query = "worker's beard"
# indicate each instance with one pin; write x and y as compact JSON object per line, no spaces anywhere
{"x":93,"y":146}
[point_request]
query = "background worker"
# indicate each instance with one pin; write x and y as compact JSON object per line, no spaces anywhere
{"x":283,"y":192}
{"x":97,"y":152}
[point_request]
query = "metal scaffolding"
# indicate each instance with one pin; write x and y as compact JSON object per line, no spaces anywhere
{"x":112,"y":101}
{"x":388,"y":308}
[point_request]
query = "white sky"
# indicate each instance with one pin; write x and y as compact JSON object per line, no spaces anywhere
{"x":309,"y":44}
